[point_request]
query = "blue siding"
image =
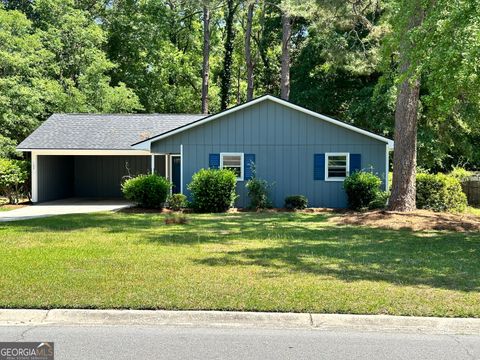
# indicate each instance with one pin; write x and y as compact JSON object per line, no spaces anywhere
{"x":284,"y":142}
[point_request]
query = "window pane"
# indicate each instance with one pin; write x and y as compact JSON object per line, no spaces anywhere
{"x":236,"y":170}
{"x":337,"y":166}
{"x":232,"y":160}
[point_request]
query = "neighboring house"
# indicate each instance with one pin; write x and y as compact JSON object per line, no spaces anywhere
{"x":297,"y":150}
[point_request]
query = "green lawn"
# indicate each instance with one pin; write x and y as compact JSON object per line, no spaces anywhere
{"x":243,"y":261}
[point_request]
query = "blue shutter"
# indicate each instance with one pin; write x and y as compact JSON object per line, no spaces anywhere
{"x":319,"y":167}
{"x":214,"y":161}
{"x":355,"y":163}
{"x":248,"y":159}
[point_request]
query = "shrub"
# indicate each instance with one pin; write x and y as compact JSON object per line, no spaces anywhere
{"x":296,"y":202}
{"x":258,"y":192}
{"x":149,"y":191}
{"x":13,"y":175}
{"x":363,"y":190}
{"x":213,"y":190}
{"x":460,"y":173}
{"x":440,"y":192}
{"x":176,"y":202}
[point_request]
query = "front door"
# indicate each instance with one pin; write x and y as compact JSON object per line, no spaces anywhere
{"x":175,"y":171}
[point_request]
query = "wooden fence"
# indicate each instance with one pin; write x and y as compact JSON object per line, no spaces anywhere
{"x":471,"y":187}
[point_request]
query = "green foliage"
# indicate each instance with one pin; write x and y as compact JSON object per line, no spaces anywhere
{"x":440,"y":192}
{"x":258,"y":192}
{"x":149,"y":191}
{"x":176,"y":202}
{"x":363,"y":190}
{"x":13,"y":175}
{"x":460,"y":173}
{"x":296,"y":202}
{"x":213,"y":190}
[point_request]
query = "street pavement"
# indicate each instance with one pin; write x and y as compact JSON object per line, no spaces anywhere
{"x":202,"y":342}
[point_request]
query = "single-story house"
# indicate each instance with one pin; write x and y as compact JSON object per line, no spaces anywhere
{"x":297,"y":150}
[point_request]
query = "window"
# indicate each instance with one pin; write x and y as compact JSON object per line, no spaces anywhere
{"x":234,"y":162}
{"x":337,"y":165}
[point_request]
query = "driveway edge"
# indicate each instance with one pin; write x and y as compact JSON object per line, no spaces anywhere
{"x":430,"y":325}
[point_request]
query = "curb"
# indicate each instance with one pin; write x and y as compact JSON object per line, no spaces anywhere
{"x":428,"y":325}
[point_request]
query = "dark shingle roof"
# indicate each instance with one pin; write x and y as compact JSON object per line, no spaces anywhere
{"x":101,"y":131}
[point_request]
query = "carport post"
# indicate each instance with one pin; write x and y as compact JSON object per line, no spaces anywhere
{"x":181,"y":168}
{"x":34,"y":177}
{"x":153,"y":163}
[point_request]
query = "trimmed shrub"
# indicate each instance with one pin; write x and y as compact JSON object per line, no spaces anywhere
{"x":13,"y":175}
{"x":296,"y":202}
{"x":149,"y":191}
{"x":213,"y":190}
{"x":258,"y":192}
{"x":460,"y":173}
{"x":363,"y":190}
{"x":440,"y":192}
{"x":176,"y":202}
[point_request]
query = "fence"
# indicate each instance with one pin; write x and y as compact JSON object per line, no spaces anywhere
{"x":471,"y":187}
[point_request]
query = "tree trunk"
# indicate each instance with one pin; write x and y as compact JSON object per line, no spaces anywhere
{"x":206,"y":58}
{"x":285,"y":74}
{"x":226,"y":75}
{"x":403,"y":196}
{"x":248,"y":51}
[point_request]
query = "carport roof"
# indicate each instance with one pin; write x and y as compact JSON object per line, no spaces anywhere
{"x":101,"y":131}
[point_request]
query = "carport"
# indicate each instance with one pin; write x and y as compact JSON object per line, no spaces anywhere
{"x":88,"y":174}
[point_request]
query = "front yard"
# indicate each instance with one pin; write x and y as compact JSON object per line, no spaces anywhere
{"x":239,"y":261}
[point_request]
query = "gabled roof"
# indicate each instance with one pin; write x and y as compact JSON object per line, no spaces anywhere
{"x":145,"y":143}
{"x":101,"y":131}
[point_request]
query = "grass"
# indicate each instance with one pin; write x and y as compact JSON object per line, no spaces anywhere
{"x":239,"y":261}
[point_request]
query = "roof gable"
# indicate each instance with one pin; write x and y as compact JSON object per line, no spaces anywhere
{"x":146,"y":144}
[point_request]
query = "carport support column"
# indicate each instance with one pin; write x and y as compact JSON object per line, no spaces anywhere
{"x":181,"y":168}
{"x":153,"y":163}
{"x":34,"y":162}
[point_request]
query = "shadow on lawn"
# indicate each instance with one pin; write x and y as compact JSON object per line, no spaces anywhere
{"x":303,"y":243}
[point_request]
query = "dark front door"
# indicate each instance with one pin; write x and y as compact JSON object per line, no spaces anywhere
{"x":176,"y":174}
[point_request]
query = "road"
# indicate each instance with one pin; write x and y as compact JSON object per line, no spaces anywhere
{"x":182,"y":342}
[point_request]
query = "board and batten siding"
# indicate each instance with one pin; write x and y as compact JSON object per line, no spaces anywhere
{"x":284,"y":142}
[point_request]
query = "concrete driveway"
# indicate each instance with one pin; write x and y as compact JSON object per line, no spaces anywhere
{"x":62,"y":207}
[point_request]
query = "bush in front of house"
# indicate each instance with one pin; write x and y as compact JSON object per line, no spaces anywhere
{"x":258,"y":191}
{"x":176,"y":202}
{"x":13,"y":175}
{"x":148,"y":191}
{"x":460,"y":173}
{"x":213,"y":190}
{"x":364,"y":191}
{"x":296,"y":202}
{"x":440,"y":192}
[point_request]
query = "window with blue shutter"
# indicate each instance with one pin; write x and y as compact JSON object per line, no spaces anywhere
{"x":355,"y":163}
{"x":214,"y":161}
{"x":319,"y":167}
{"x":249,"y":164}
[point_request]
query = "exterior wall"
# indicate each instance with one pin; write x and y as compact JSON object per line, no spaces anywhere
{"x":89,"y":176}
{"x":284,"y":142}
{"x":54,"y":177}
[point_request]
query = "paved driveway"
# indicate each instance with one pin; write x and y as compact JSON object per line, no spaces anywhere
{"x":61,"y":207}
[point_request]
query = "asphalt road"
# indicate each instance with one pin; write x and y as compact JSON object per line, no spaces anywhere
{"x":173,"y":342}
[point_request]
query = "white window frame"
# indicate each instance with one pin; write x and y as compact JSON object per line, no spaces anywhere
{"x":242,"y":170}
{"x":327,"y":156}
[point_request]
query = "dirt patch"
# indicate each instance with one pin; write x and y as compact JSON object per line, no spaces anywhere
{"x":415,"y":220}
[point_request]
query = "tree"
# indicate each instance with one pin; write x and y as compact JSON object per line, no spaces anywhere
{"x":248,"y":50}
{"x":206,"y":57}
{"x":226,"y":75}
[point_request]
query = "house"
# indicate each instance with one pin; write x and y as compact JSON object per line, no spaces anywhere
{"x":297,"y":150}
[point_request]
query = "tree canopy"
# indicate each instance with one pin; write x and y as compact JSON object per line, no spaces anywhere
{"x":343,"y":60}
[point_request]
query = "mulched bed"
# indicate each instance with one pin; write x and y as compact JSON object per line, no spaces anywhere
{"x":415,"y":220}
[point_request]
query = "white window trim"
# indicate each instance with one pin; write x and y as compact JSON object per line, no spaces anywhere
{"x":242,"y":170}
{"x":327,"y":155}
